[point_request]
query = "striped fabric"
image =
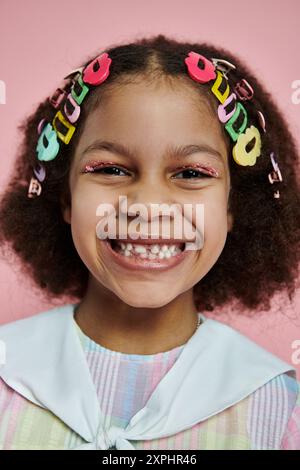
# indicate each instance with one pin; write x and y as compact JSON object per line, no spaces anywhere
{"x":269,"y":418}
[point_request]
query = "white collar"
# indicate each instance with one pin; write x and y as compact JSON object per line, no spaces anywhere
{"x":217,"y":368}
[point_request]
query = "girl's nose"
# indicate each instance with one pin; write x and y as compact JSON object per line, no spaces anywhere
{"x":156,"y":211}
{"x":148,"y":201}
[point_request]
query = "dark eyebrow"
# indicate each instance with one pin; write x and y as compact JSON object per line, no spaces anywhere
{"x":174,"y":152}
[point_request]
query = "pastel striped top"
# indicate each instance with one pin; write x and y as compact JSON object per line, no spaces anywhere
{"x":269,"y":418}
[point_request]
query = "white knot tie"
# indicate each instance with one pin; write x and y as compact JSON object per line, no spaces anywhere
{"x":113,"y":438}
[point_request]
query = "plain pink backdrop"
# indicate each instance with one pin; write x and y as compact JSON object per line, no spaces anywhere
{"x":40,"y":42}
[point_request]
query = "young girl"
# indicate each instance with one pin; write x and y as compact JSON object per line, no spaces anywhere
{"x":133,"y":362}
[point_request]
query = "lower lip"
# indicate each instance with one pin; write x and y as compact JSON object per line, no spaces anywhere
{"x":143,"y":264}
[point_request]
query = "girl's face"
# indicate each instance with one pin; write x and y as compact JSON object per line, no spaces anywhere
{"x":150,"y":121}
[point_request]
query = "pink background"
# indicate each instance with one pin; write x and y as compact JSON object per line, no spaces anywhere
{"x":40,"y":42}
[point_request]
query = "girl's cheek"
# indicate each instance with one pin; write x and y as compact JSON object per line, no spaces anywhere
{"x":90,"y":210}
{"x":84,"y":207}
{"x":87,"y":197}
{"x":214,"y":223}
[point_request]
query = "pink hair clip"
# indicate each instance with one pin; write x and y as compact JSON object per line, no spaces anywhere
{"x":261,"y":120}
{"x":244,"y":90}
{"x":57,"y":97}
{"x":41,"y":125}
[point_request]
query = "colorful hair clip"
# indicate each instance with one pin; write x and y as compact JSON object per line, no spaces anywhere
{"x":34,"y":189}
{"x":40,"y":172}
{"x":237,"y":123}
{"x":71,"y":109}
{"x":220,"y":88}
{"x":223,"y":65}
{"x":244,"y":90}
{"x":57,"y":97}
{"x":62,"y":127}
{"x":261,"y":120}
{"x":74,"y":72}
{"x":97,"y":71}
{"x":200,"y":68}
{"x":227,"y":109}
{"x":275,"y":175}
{"x":230,"y":112}
{"x":247,"y":157}
{"x":79,"y":90}
{"x":48,"y":146}
{"x":41,"y":125}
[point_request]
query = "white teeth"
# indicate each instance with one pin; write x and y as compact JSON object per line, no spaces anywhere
{"x":154,"y":251}
{"x":140,"y":249}
{"x":127,"y":246}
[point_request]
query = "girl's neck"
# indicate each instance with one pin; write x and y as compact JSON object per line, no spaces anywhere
{"x":120,"y":327}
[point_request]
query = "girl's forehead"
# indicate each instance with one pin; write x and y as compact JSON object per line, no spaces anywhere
{"x":139,"y":115}
{"x":136,"y":106}
{"x":134,"y":93}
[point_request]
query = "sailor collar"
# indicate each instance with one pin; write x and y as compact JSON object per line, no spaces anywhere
{"x":217,"y":368}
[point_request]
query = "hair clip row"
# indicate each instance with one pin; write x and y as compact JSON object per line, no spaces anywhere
{"x":231,"y":111}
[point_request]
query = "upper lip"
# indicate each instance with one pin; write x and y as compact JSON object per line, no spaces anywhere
{"x":150,"y":241}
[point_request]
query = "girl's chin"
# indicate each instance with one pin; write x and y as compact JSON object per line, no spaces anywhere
{"x":144,"y":302}
{"x":148,"y":294}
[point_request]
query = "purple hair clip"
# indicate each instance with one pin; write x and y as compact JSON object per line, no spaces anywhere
{"x":40,"y":172}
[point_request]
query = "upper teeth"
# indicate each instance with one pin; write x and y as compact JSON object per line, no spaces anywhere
{"x":155,"y":248}
{"x":160,"y":250}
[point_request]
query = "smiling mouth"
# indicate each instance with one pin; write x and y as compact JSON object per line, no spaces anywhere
{"x":152,"y":251}
{"x":156,"y":257}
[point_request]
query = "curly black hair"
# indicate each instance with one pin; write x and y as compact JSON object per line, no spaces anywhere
{"x":261,"y":253}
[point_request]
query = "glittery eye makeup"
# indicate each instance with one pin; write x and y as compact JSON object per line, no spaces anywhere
{"x":204,"y":170}
{"x":93,"y":166}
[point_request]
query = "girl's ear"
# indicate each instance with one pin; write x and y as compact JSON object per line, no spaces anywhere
{"x":229,"y":221}
{"x":229,"y":214}
{"x":65,"y":210}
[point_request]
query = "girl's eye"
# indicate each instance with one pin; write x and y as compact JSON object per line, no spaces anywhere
{"x":191,"y":172}
{"x":112,"y":170}
{"x":107,"y":170}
